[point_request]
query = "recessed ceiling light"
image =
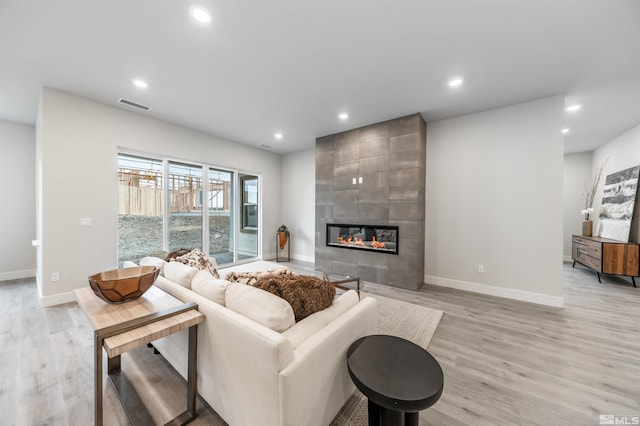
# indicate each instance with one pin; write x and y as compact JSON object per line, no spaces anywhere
{"x":140,"y":83}
{"x":455,"y":82}
{"x":565,"y":130}
{"x":278,"y":136}
{"x":573,"y":108}
{"x":200,"y":13}
{"x":343,"y":116}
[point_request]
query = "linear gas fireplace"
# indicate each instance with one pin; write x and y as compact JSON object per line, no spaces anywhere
{"x":378,"y":238}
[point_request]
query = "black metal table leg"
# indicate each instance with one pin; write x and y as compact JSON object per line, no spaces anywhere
{"x":411,"y":419}
{"x":192,"y":374}
{"x":374,"y":413}
{"x":390,"y":417}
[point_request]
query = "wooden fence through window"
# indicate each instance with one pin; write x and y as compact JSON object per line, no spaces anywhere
{"x":140,"y":193}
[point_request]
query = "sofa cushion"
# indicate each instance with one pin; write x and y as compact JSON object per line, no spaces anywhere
{"x":302,"y":330}
{"x":260,"y":306}
{"x":206,"y":285}
{"x":153,"y":261}
{"x":197,"y":259}
{"x":179,"y":273}
{"x":306,"y":294}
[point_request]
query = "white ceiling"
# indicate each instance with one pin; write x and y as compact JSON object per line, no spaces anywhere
{"x":291,"y":66}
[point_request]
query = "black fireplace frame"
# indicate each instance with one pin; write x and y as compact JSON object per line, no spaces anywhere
{"x":394,"y":251}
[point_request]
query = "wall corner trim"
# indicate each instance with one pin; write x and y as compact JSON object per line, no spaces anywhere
{"x":508,"y":293}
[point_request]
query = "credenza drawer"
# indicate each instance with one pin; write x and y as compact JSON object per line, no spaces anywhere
{"x":589,"y":261}
{"x":591,"y":248}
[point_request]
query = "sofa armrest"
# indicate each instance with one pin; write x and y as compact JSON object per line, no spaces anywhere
{"x":317,"y":384}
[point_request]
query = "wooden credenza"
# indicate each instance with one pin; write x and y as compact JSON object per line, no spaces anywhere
{"x":606,"y":256}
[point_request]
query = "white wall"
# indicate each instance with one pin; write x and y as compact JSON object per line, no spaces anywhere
{"x":577,"y":173}
{"x":494,"y":198}
{"x":17,"y":195}
{"x":298,"y":202}
{"x":78,"y":141}
{"x":622,"y":152}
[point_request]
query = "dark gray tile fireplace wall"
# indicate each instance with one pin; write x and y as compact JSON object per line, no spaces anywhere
{"x":387,"y":161}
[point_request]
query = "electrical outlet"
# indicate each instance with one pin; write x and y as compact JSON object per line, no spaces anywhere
{"x":481,"y":268}
{"x":85,"y":221}
{"x":55,"y":276}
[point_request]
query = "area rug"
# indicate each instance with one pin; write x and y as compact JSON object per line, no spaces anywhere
{"x":412,"y":322}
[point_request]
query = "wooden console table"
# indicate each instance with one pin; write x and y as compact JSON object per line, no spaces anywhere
{"x":606,"y":256}
{"x":126,"y":326}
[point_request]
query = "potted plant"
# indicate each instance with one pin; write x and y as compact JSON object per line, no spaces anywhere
{"x":283,"y":236}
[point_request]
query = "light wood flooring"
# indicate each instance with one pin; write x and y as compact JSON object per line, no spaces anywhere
{"x":505,"y":362}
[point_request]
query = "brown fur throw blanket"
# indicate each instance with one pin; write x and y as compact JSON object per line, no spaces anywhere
{"x":304,"y":293}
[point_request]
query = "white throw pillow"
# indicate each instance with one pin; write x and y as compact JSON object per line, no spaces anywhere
{"x":260,"y":306}
{"x":206,"y":285}
{"x":154,"y":261}
{"x":129,"y":264}
{"x":179,"y":273}
{"x":304,"y":329}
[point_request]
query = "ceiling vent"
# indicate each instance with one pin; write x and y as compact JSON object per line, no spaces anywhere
{"x":134,"y":104}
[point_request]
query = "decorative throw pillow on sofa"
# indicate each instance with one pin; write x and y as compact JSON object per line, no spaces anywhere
{"x":259,"y":306}
{"x":305,"y":294}
{"x":197,"y":259}
{"x":179,"y":273}
{"x":154,"y":261}
{"x":302,"y":330}
{"x":206,"y":285}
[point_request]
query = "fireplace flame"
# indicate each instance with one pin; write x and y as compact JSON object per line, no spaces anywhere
{"x":376,"y":244}
{"x":359,"y":242}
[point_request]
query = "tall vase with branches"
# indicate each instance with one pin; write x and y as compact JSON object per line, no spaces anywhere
{"x":589,"y":196}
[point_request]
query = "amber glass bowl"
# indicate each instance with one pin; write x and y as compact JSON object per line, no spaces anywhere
{"x":122,"y":285}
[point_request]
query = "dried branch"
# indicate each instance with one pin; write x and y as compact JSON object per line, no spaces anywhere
{"x":590,"y":193}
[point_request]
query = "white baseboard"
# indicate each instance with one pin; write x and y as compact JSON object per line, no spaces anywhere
{"x":57,"y":299}
{"x":567,"y":259}
{"x":16,"y":275}
{"x":294,"y":256}
{"x":303,"y":258}
{"x":509,"y":293}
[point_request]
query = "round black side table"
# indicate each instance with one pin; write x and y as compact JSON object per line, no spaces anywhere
{"x":398,"y":377}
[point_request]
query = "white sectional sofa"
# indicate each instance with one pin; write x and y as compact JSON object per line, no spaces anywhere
{"x":254,"y":366}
